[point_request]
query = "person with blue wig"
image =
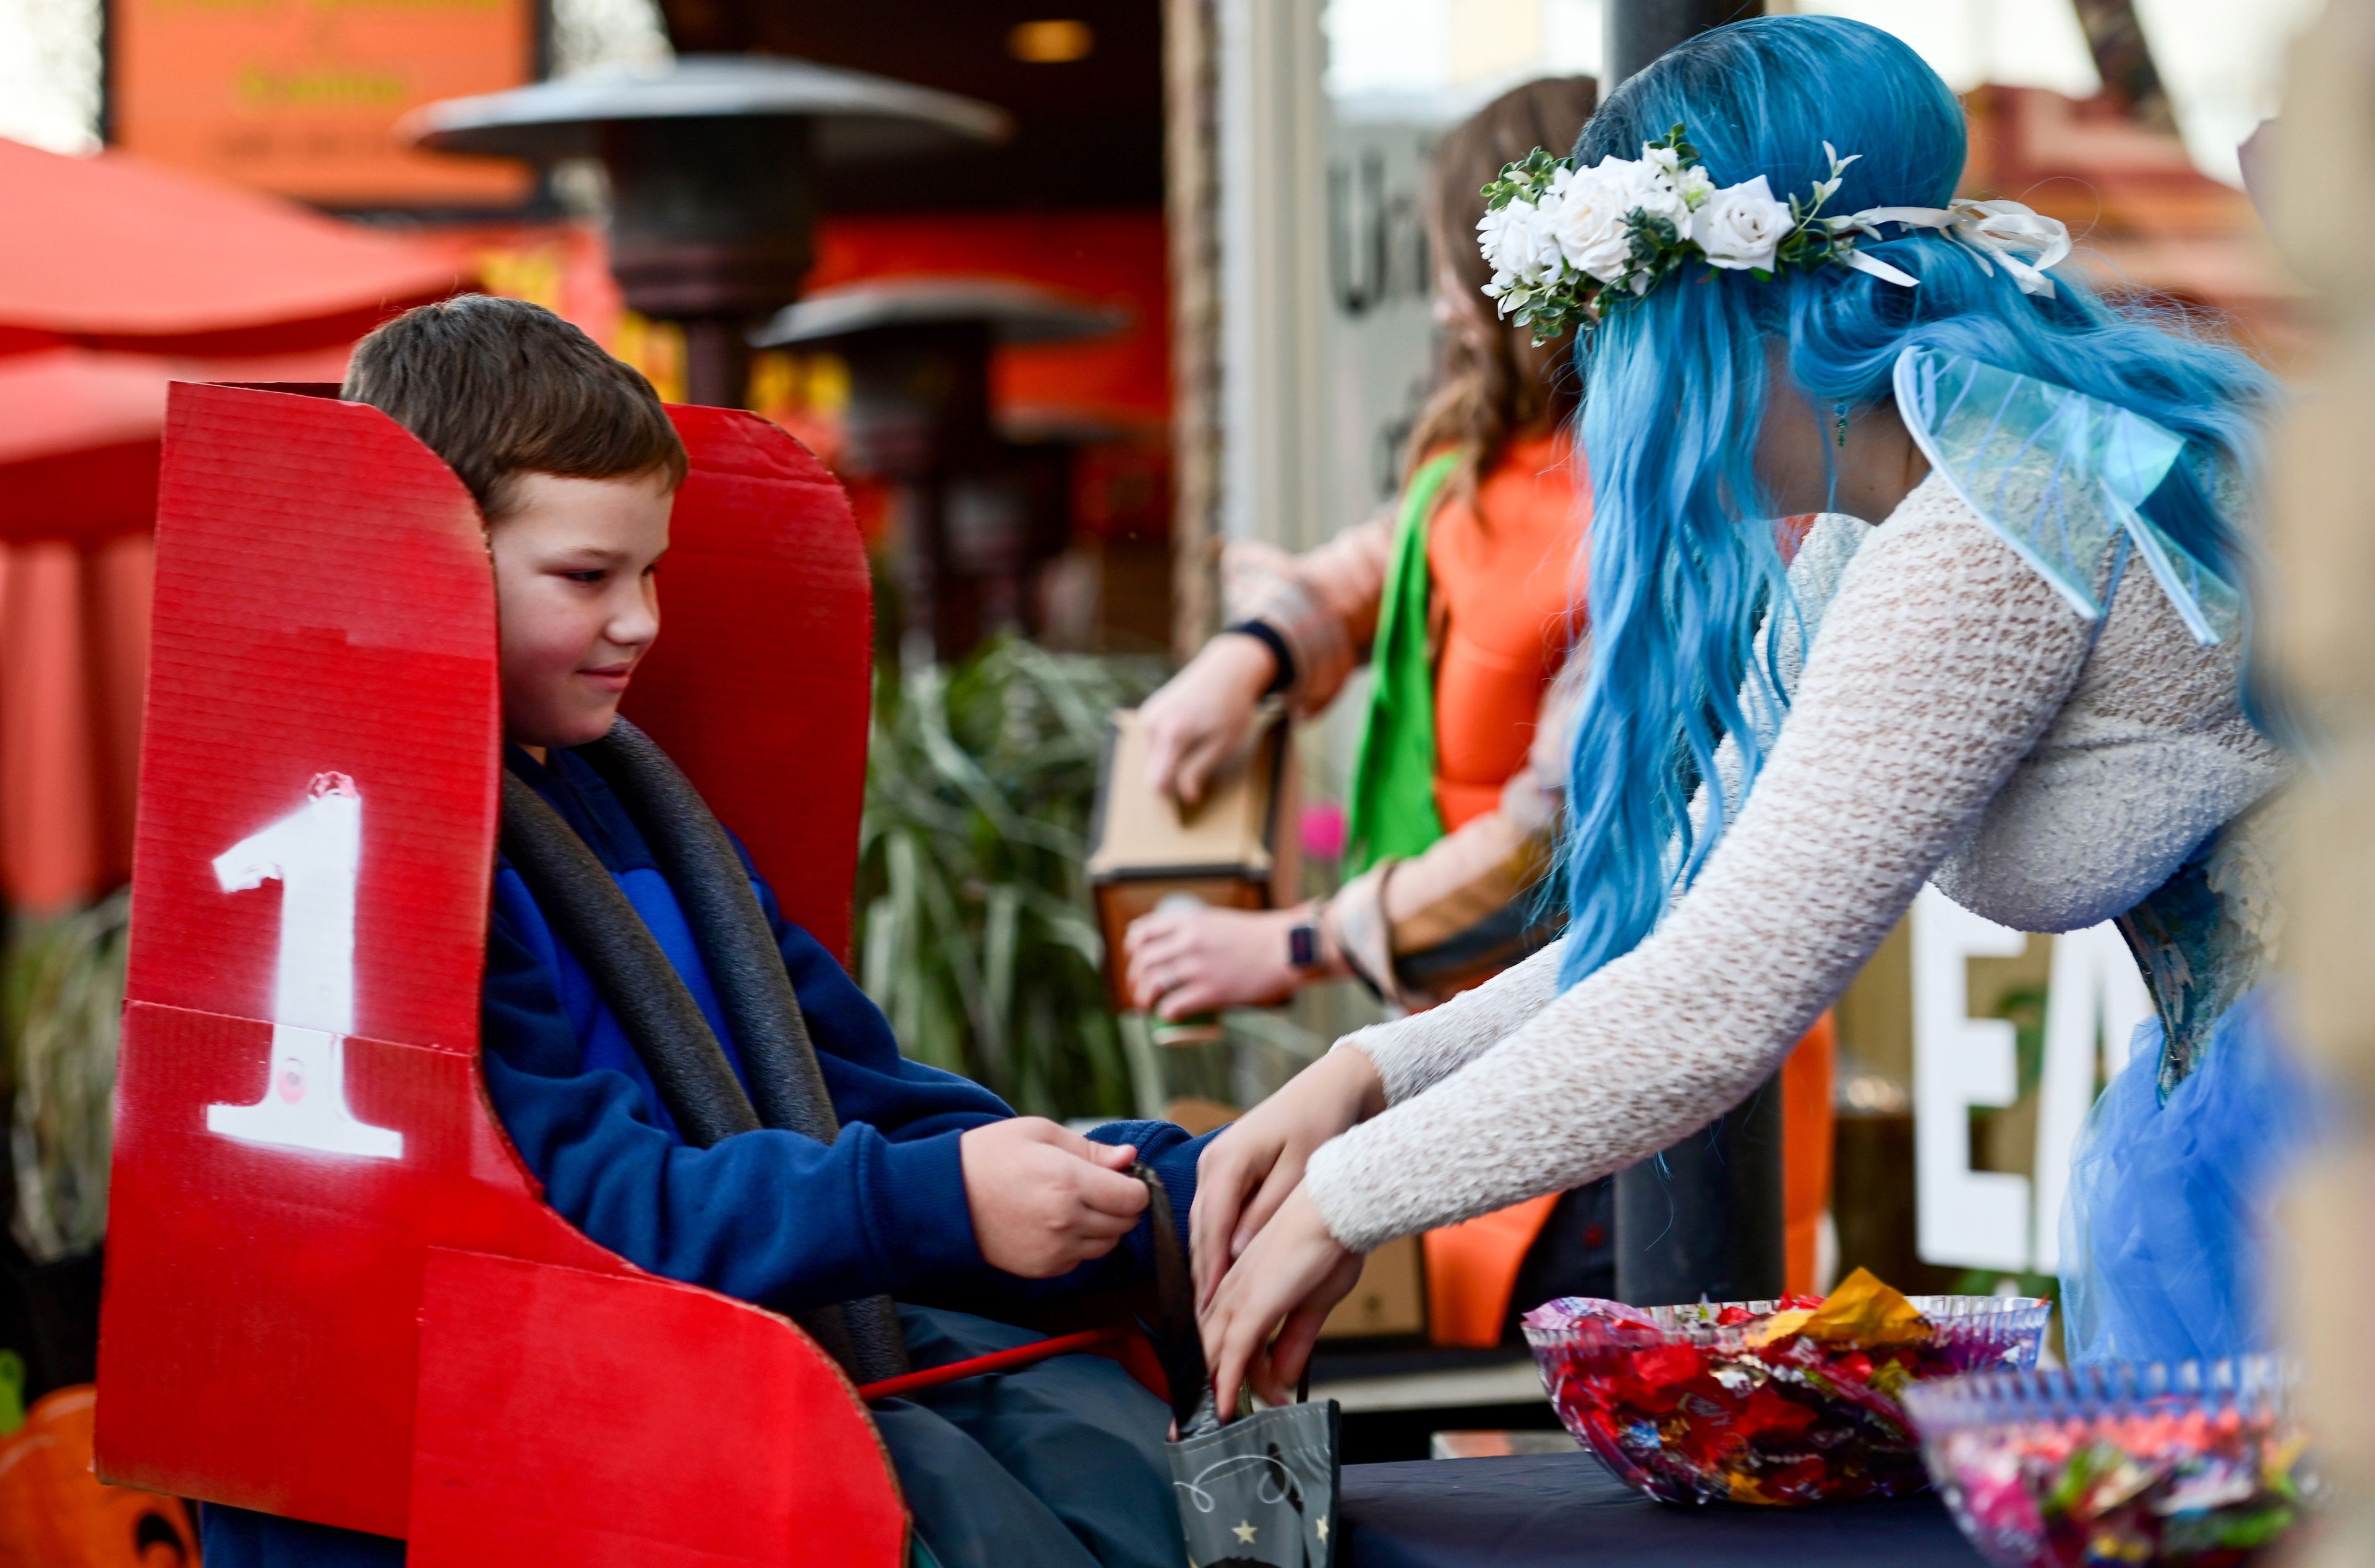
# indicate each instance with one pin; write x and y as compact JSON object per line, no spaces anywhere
{"x":2007,"y":658}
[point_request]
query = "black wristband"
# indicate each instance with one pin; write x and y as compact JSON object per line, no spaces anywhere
{"x":1266,"y":634}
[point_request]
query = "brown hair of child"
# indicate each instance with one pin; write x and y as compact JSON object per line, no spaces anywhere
{"x":1491,"y":382}
{"x":497,"y":387}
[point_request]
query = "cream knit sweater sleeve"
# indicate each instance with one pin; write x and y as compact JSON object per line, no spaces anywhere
{"x":1940,"y":662}
{"x":1414,"y":1055}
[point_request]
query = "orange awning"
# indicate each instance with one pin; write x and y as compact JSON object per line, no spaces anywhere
{"x":73,"y":658}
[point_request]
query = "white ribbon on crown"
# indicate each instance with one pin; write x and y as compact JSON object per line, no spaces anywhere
{"x":1993,"y":230}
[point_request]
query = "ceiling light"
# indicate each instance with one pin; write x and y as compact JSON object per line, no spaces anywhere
{"x":1050,"y":42}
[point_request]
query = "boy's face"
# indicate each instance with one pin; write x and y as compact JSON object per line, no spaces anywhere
{"x":577,"y":599}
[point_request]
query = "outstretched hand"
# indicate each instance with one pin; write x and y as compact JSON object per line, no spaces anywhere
{"x":1247,"y":1172}
{"x":1266,"y":1316}
{"x":1044,"y":1200}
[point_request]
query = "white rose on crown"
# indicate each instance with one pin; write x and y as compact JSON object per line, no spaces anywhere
{"x":1499,"y":236}
{"x":1491,"y":232}
{"x":1517,"y":240}
{"x":1656,"y":187}
{"x":1740,"y":226}
{"x":1599,"y":203}
{"x":1492,"y":235}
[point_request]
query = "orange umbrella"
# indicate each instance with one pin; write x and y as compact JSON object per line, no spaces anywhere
{"x":80,"y":431}
{"x":137,"y":278}
{"x":119,"y":254}
{"x":73,"y":656}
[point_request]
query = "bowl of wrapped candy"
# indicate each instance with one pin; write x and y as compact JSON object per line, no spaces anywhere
{"x":1782,"y":1402}
{"x":2192,"y":1465}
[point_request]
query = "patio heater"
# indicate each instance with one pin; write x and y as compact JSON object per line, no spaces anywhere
{"x":713,"y":165}
{"x":1703,"y":1220}
{"x":1640,"y":30}
{"x":977,"y":514}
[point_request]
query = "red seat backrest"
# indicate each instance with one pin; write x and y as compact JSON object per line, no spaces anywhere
{"x":758,"y":684}
{"x":332,"y":1290}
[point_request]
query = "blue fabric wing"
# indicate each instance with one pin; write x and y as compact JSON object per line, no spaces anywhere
{"x":2059,"y":476}
{"x":2212,"y":609}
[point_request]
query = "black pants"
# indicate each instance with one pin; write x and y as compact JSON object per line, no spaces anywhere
{"x":1058,"y":1465}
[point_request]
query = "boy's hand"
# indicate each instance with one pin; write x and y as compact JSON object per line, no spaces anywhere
{"x":1044,"y":1199}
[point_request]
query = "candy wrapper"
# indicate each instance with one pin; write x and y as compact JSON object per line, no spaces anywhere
{"x":1767,"y":1402}
{"x":2197,"y":1466}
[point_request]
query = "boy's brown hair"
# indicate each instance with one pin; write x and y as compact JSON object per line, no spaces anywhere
{"x":497,"y":387}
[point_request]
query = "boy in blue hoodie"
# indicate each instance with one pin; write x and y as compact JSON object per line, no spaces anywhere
{"x":895,"y":1178}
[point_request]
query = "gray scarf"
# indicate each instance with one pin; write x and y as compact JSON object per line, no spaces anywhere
{"x":592,"y":914}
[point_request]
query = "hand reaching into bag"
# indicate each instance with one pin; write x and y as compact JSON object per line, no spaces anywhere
{"x":1247,"y":1172}
{"x":1044,"y":1199}
{"x":1266,"y":1316}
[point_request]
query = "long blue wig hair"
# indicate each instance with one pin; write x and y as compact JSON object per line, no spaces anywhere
{"x":1684,"y":560}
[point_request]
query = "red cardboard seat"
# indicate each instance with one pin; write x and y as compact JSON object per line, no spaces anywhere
{"x":333,"y":1291}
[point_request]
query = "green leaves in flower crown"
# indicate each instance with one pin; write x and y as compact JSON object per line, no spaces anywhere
{"x":1676,"y":142}
{"x":1523,"y":180}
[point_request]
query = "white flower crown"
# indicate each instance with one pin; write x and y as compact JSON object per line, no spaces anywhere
{"x":1566,"y":244}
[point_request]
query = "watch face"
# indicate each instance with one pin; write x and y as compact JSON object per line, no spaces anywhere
{"x":1303,"y":946}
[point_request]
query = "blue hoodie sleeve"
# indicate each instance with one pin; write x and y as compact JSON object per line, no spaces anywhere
{"x":768,"y":1216}
{"x":1173,"y":1155}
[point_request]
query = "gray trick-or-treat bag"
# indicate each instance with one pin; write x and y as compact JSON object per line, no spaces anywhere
{"x":1259,"y":1491}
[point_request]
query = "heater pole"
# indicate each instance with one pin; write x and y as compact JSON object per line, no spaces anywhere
{"x":1640,"y":30}
{"x":1703,"y":1220}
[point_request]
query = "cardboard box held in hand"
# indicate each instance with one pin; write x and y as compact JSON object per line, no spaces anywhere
{"x":1235,"y":849}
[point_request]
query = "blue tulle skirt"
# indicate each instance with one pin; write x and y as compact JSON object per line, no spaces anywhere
{"x":2164,"y":1239}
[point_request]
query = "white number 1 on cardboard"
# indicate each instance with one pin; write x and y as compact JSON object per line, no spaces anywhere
{"x":315,"y":853}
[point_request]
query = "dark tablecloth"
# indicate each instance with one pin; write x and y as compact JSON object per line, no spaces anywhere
{"x":1534,"y":1511}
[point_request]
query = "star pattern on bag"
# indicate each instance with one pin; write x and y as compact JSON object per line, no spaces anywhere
{"x":1245,"y":1530}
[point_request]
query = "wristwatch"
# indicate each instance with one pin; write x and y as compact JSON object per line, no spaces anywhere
{"x":1303,"y":943}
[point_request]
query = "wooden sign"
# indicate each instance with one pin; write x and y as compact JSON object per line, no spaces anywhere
{"x":301,"y":97}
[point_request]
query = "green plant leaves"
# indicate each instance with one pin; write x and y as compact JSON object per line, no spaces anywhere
{"x":976,"y":935}
{"x":60,"y":995}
